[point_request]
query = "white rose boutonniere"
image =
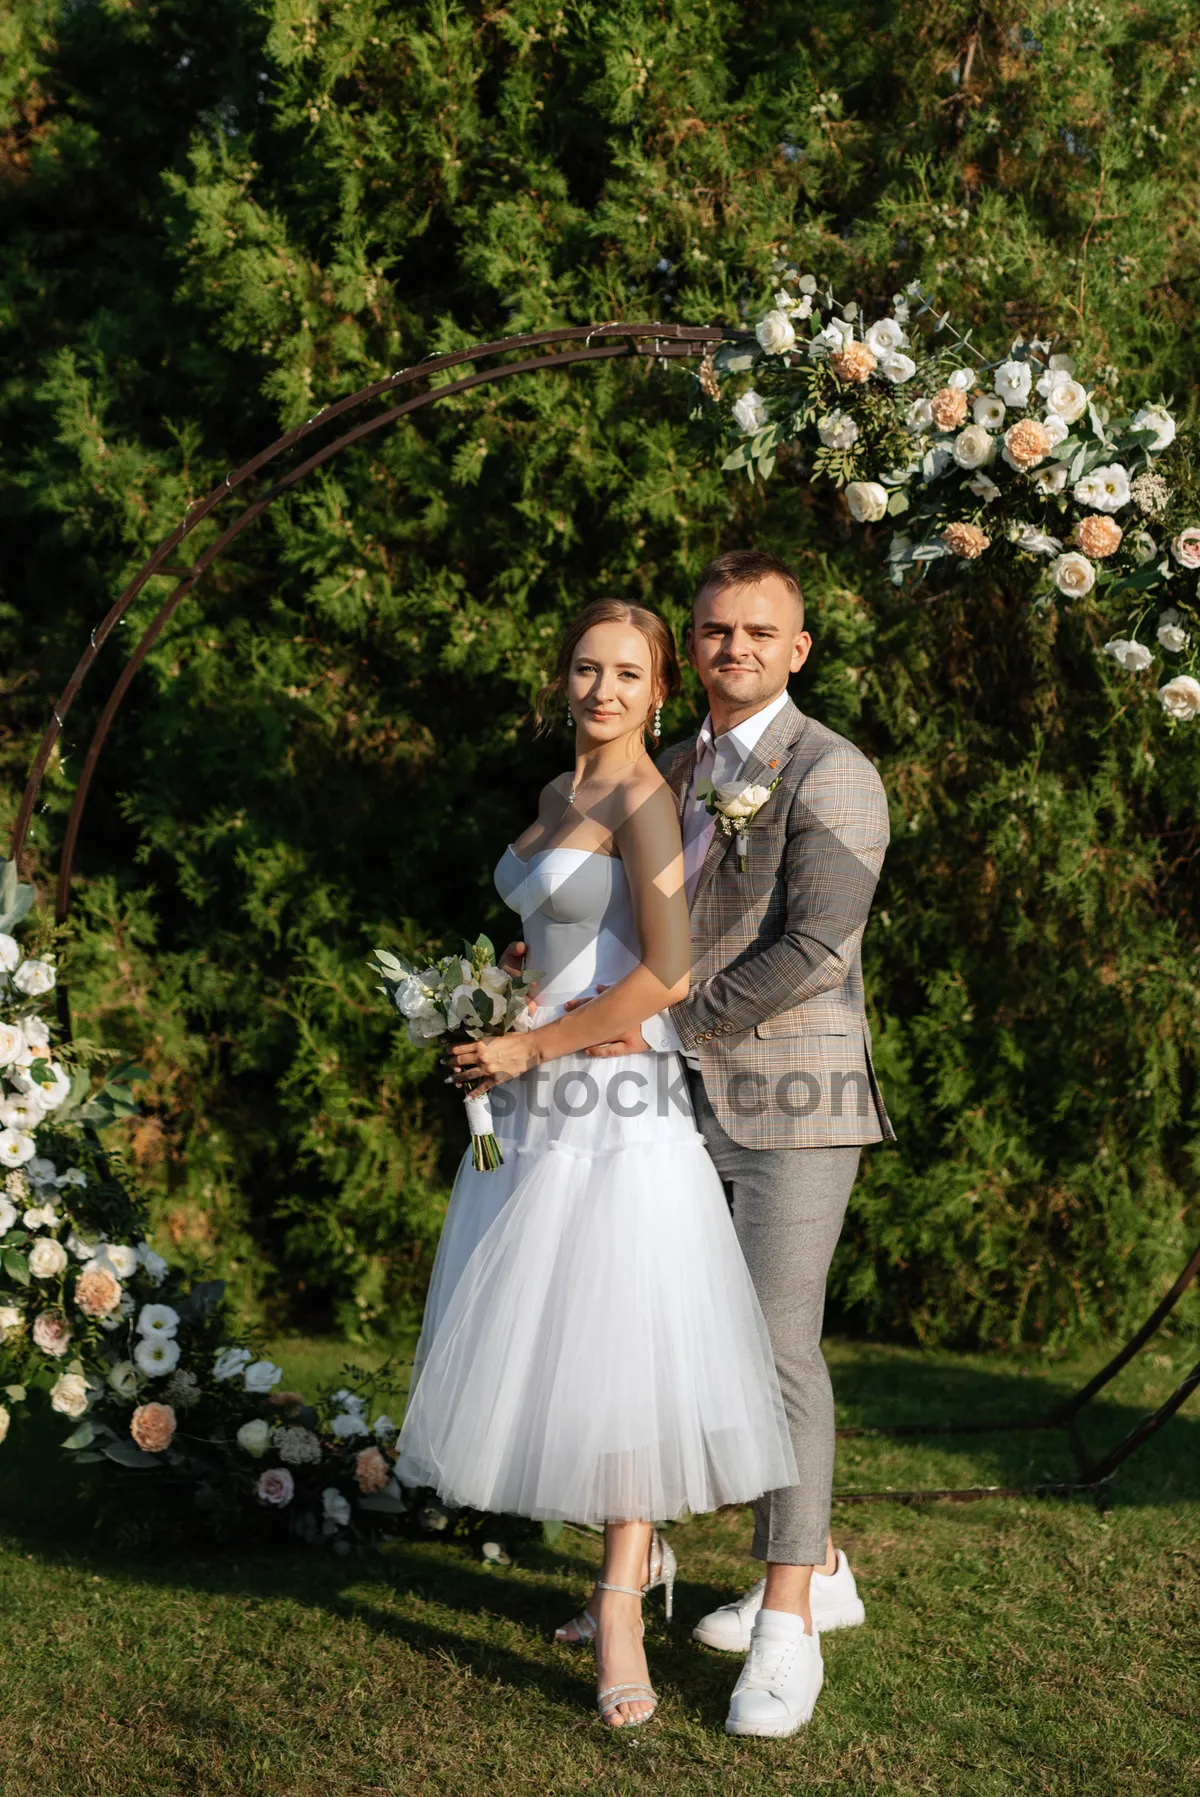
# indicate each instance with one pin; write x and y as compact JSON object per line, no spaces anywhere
{"x":735,"y":809}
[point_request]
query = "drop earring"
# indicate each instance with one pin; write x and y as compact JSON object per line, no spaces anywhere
{"x":656,"y":727}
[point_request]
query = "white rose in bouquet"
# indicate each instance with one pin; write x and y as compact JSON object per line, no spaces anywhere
{"x":988,"y":410}
{"x":919,"y":416}
{"x":254,"y":1437}
{"x":750,"y":413}
{"x":34,"y":978}
{"x":1012,"y":382}
{"x":896,"y":367}
{"x":335,"y":1506}
{"x":1133,"y":657}
{"x":836,"y":335}
{"x":47,"y":1258}
{"x":776,"y":334}
{"x":973,"y":447}
{"x":1171,"y":633}
{"x":12,"y":1044}
{"x":69,"y":1394}
{"x":1186,"y":547}
{"x":1034,"y":541}
{"x":16,"y":1148}
{"x":410,"y":995}
{"x":347,"y":1424}
{"x":867,"y":501}
{"x":262,"y":1376}
{"x":884,"y":335}
{"x":962,"y":380}
{"x":35,"y":1032}
{"x":1105,"y":490}
{"x":837,"y":430}
{"x":123,"y":1378}
{"x":1073,"y":575}
{"x":1067,"y":400}
{"x":1158,"y":420}
{"x":1056,"y":431}
{"x":10,"y":953}
{"x":1180,"y":698}
{"x":116,"y":1258}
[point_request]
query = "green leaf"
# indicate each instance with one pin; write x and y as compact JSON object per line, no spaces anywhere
{"x":15,"y":1392}
{"x":82,"y":1437}
{"x":16,"y":1266}
{"x":15,"y":898}
{"x":737,"y":458}
{"x":127,"y":1453}
{"x":898,"y":503}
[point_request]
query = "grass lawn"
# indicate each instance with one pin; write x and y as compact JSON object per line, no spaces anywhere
{"x":1010,"y":1647}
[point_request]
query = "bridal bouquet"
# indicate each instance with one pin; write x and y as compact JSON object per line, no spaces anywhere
{"x":460,"y":997}
{"x":1016,"y":462}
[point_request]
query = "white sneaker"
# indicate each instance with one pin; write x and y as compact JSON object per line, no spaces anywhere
{"x":781,"y":1680}
{"x":835,"y":1605}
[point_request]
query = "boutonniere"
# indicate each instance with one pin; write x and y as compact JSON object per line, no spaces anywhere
{"x":735,"y":809}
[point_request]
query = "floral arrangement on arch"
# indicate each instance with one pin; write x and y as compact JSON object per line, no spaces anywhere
{"x":145,"y":1371}
{"x":1015,"y":463}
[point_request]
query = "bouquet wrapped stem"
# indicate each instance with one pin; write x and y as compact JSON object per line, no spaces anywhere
{"x":461,"y":998}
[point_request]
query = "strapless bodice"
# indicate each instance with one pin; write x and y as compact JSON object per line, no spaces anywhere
{"x":576,"y":918}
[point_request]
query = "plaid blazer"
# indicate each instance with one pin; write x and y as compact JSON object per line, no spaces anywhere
{"x":776,"y":1011}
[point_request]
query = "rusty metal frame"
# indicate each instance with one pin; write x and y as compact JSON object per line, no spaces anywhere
{"x":600,"y":342}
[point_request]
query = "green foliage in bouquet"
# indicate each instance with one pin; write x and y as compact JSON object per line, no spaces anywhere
{"x":217,"y":217}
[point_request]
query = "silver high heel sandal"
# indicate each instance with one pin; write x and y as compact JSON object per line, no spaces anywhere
{"x":663,"y":1567}
{"x":613,"y":1696}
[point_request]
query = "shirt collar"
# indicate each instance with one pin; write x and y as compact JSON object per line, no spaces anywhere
{"x":743,"y":736}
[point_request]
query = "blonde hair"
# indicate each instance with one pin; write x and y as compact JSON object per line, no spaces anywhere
{"x":664,"y":656}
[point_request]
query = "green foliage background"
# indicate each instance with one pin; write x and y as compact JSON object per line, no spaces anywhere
{"x":217,"y":217}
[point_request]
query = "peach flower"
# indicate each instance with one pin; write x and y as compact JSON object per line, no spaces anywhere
{"x":371,"y":1470}
{"x":52,"y":1333}
{"x":97,"y":1293}
{"x":152,"y":1426}
{"x":1098,"y":536}
{"x":965,"y":540}
{"x":1027,"y":443}
{"x":948,"y":407}
{"x":853,"y":363}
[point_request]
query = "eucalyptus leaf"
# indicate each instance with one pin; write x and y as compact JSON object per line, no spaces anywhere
{"x":127,"y":1453}
{"x":82,"y":1437}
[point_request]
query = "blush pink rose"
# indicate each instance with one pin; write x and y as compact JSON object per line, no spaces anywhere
{"x":152,"y":1426}
{"x":276,"y":1486}
{"x":52,"y":1333}
{"x":97,"y":1293}
{"x":371,"y":1471}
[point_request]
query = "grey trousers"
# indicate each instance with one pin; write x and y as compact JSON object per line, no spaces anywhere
{"x":788,"y":1206}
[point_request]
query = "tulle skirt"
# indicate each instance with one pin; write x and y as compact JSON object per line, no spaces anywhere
{"x":593,"y":1349}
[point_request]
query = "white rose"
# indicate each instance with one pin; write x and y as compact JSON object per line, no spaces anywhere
{"x":347,"y":1424}
{"x":158,"y":1319}
{"x":156,"y":1355}
{"x":836,"y":335}
{"x":1067,"y":400}
{"x":12,"y":1043}
{"x":335,"y":1506}
{"x":973,"y":447}
{"x":962,"y":380}
{"x":116,"y":1258}
{"x":10,"y":1318}
{"x":35,"y":1032}
{"x":230,"y":1362}
{"x":15,"y":1148}
{"x":254,"y":1437}
{"x":40,"y":1216}
{"x":1180,"y":697}
{"x":884,"y":335}
{"x":10,"y":953}
{"x":1171,"y":633}
{"x":8,"y":1214}
{"x":919,"y":416}
{"x":1158,"y":420}
{"x":410,"y":993}
{"x":1106,"y":490}
{"x":1144,"y":547}
{"x":154,"y":1264}
{"x":69,"y":1394}
{"x":867,"y":501}
{"x":47,"y":1258}
{"x":989,"y":410}
{"x":837,"y":430}
{"x":897,"y":367}
{"x":1186,"y":547}
{"x":34,"y":978}
{"x":122,"y":1376}
{"x":775,"y":333}
{"x":262,"y":1375}
{"x":1051,"y":480}
{"x":1073,"y":574}
{"x":1056,"y":430}
{"x":1011,"y":382}
{"x":750,"y":413}
{"x":1133,"y":657}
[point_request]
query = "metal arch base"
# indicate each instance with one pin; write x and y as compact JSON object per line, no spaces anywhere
{"x":606,"y":341}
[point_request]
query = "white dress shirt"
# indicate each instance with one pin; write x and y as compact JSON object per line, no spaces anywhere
{"x":720,"y":759}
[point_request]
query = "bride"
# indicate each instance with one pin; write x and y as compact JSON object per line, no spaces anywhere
{"x":592,"y":1348}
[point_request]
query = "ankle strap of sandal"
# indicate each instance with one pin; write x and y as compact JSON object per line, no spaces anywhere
{"x":629,"y":1590}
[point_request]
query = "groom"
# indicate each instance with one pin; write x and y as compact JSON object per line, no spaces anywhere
{"x":778,"y":1049}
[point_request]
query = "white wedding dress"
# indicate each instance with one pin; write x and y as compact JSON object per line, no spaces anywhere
{"x":592,"y":1349}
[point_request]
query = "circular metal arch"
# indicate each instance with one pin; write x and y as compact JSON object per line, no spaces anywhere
{"x":600,"y":342}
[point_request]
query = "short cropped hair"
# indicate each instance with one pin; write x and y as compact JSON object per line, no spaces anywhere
{"x":738,"y":567}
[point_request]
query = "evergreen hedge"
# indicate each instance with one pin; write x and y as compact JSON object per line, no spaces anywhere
{"x":216,"y":218}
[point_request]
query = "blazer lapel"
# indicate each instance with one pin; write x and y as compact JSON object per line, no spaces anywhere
{"x":773,"y":748}
{"x":679,"y":774}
